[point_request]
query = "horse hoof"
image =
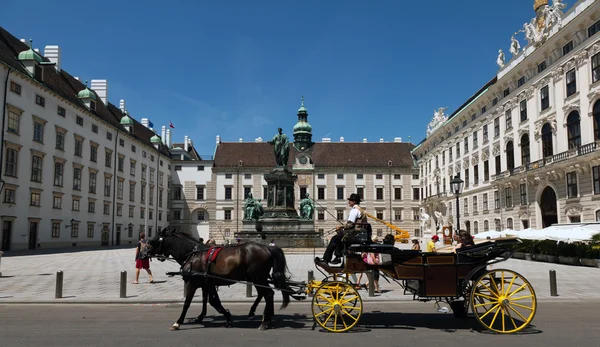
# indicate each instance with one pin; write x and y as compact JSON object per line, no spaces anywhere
{"x":174,"y":327}
{"x":262,"y":327}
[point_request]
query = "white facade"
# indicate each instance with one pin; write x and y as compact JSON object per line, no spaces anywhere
{"x":67,"y":173}
{"x":527,"y":144}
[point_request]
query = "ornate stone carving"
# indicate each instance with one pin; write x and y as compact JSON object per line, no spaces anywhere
{"x":485,"y":153}
{"x":439,"y":118}
{"x":475,"y":159}
{"x":572,"y":106}
{"x":449,"y":170}
{"x":523,"y":130}
{"x":557,"y":75}
{"x":594,"y":49}
{"x":529,"y":92}
{"x":539,"y":123}
{"x":581,"y":58}
{"x":508,"y":138}
{"x":466,"y":162}
{"x":496,"y":149}
{"x":574,"y":211}
{"x":457,"y":166}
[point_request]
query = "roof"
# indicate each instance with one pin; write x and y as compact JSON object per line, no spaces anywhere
{"x":65,"y":85}
{"x":191,"y":151}
{"x":324,"y":154}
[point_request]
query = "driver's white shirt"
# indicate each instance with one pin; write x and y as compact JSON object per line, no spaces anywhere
{"x":354,"y":215}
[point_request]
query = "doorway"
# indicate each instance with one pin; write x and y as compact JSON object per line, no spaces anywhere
{"x":548,"y":207}
{"x":33,"y":231}
{"x":6,"y":235}
{"x":118,"y":240}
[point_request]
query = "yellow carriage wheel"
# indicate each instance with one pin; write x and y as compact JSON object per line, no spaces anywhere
{"x":336,"y":306}
{"x":503,"y":301}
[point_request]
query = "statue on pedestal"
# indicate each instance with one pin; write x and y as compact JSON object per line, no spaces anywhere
{"x":425,"y":222}
{"x":439,"y":221}
{"x":281,"y":147}
{"x":307,"y":208}
{"x":252,"y":208}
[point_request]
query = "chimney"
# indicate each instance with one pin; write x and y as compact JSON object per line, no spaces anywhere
{"x":37,"y":50}
{"x":168,"y":143}
{"x":397,"y":139}
{"x":241,"y":140}
{"x":23,"y":40}
{"x":53,"y":54}
{"x":381,"y":140}
{"x":342,"y":139}
{"x":163,"y":134}
{"x":191,"y":143}
{"x":326,"y":139}
{"x":101,"y":88}
{"x":77,"y":78}
{"x":365,"y":140}
{"x":122,"y":105}
{"x":185,"y":143}
{"x":144,"y":122}
{"x":218,"y":139}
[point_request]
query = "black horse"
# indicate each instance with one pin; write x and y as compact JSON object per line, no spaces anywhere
{"x":249,"y":261}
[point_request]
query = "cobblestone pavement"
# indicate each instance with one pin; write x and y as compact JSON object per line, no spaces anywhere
{"x":93,"y":276}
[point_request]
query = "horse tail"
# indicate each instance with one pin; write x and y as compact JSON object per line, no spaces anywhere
{"x":279,"y":274}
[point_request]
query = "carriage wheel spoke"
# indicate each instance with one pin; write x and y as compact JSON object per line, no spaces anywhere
{"x":521,"y":306}
{"x":351,"y":308}
{"x":486,"y":304}
{"x":499,"y":308}
{"x":518,"y":290}
{"x":489,"y":289}
{"x":494,"y":283}
{"x":502,"y":286}
{"x":486,"y":296}
{"x":511,"y":284}
{"x":328,"y":317}
{"x":348,"y":300}
{"x":323,"y":312}
{"x":349,"y":315}
{"x":521,"y":297}
{"x":511,"y":319}
{"x":519,"y":314}
{"x":490,"y":310}
{"x":503,"y":324}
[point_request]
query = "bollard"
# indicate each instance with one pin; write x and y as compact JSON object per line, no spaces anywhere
{"x":311,"y":277}
{"x":123,"y":291}
{"x":553,"y":290}
{"x":370,"y":278}
{"x":1,"y":254}
{"x":59,"y":285}
{"x":248,"y":290}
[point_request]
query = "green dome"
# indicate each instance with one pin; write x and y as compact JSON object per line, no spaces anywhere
{"x":126,"y":120}
{"x":302,"y":127}
{"x":154,"y":139}
{"x":30,"y":54}
{"x":86,"y":94}
{"x":302,"y":109}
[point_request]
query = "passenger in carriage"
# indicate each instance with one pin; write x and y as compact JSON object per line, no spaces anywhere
{"x":431,"y":243}
{"x":356,"y":219}
{"x":464,"y":240}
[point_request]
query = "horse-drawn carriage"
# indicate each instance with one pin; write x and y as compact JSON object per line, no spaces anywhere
{"x":501,"y":300}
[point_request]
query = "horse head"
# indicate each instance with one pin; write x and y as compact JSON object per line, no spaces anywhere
{"x":155,"y":246}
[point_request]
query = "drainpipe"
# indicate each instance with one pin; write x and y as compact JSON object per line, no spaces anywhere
{"x":156,"y":197}
{"x":3,"y":121}
{"x":114,"y":195}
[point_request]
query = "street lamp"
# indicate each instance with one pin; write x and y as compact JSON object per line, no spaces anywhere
{"x":457,"y":186}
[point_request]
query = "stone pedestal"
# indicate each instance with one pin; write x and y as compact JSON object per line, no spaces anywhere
{"x":280,"y":221}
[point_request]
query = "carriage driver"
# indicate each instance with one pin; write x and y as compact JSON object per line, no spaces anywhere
{"x":356,"y":219}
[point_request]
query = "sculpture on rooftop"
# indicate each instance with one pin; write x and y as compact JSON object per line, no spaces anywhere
{"x":515,"y":47}
{"x":281,"y":147}
{"x":500,"y":61}
{"x":439,"y":118}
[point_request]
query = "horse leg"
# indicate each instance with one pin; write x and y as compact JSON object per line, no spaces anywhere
{"x":216,"y":303}
{"x":268,"y":294}
{"x":190,"y":290}
{"x":254,"y":305}
{"x":200,"y":318}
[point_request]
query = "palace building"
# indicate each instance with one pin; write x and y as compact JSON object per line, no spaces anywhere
{"x":75,"y":170}
{"x":527,"y":144}
{"x":212,"y":192}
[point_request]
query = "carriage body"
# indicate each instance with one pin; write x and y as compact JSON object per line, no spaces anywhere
{"x":461,"y":279}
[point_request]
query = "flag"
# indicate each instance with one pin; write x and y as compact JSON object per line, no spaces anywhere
{"x":171,"y":125}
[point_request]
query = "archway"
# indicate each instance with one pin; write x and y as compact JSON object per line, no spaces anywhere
{"x":548,"y":207}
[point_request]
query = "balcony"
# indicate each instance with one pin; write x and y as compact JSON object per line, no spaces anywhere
{"x":556,"y":158}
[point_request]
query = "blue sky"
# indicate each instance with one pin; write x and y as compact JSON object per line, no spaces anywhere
{"x":367,"y":69}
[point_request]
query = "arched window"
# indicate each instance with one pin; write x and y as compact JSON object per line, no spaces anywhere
{"x":525,"y":156}
{"x":486,"y":225}
{"x":509,"y":223}
{"x":475,"y":227}
{"x":596,"y":120}
{"x":547,"y":141}
{"x":573,"y":130}
{"x":510,"y":155}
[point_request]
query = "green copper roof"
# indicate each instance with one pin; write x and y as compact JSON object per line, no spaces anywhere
{"x":30,"y":54}
{"x":302,"y":109}
{"x":126,"y":120}
{"x":154,"y":139}
{"x":86,"y":94}
{"x":302,"y":127}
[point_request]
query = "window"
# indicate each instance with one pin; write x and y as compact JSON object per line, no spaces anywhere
{"x":107,"y":184}
{"x":90,"y":230}
{"x":598,"y":216}
{"x":571,"y":82}
{"x":397,"y":215}
{"x":57,"y":202}
{"x":545,"y":97}
{"x":508,"y":197}
{"x":35,"y":198}
{"x":596,"y":179}
{"x":486,"y":225}
{"x":525,"y":156}
{"x":506,"y":92}
{"x":15,"y":88}
{"x":379,"y":214}
{"x":398,"y":193}
{"x":60,"y":141}
{"x":227,"y":214}
{"x":475,"y":175}
{"x":228,"y":176}
{"x":94,"y":128}
{"x":75,"y":230}
{"x":119,"y":209}
{"x":361,"y":192}
{"x":321,"y":193}
{"x":498,"y":164}
{"x":495,"y":102}
{"x":510,"y":156}
{"x":496,"y":200}
{"x":132,"y":167}
{"x":571,"y":185}
{"x":573,"y":130}
{"x":131,"y":212}
{"x":132,"y":191}
{"x":466,"y":145}
{"x":201,"y":216}
{"x":92,"y":186}
{"x":320,"y":176}
{"x":595,"y":68}
{"x":340,"y":193}
{"x":199,"y":192}
{"x":592,"y":30}
{"x":379,"y":193}
{"x":474,"y":203}
{"x":38,"y":132}
{"x":496,"y":127}
{"x":109,"y":138}
{"x":596,"y":120}
{"x":508,"y":118}
{"x":36,"y":169}
{"x":359,"y":176}
{"x":475,"y":145}
{"x":547,"y":150}
{"x":415,"y":193}
{"x":107,"y":158}
{"x":61,"y":111}
{"x":485,"y":133}
{"x":79,"y":120}
{"x":521,"y":81}
{"x":133,"y":148}
{"x":466,"y":205}
{"x":121,"y":163}
{"x":227,"y":194}
{"x":523,"y":193}
{"x":92,"y":206}
{"x":75,"y":204}
{"x":58,"y":174}
{"x":40,"y":100}
{"x":523,"y":110}
{"x":473,"y":116}
{"x":416,"y":176}
{"x":457,"y":151}
{"x":340,"y":214}
{"x":143,"y":193}
{"x":302,"y":192}
{"x":106,"y":209}
{"x":378,"y":176}
{"x":340,"y":176}
{"x":485,"y":202}
{"x":568,"y":48}
{"x":78,"y":147}
{"x":475,"y":227}
{"x":467,"y":176}
{"x":321,"y":214}
{"x":13,"y":122}
{"x":247,"y":192}
{"x":541,"y":66}
{"x":483,"y":109}
{"x":160,"y":198}
{"x":93,"y":153}
{"x":76,"y":178}
{"x":201,"y":168}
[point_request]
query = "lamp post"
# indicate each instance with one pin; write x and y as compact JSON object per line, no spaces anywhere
{"x":457,"y":186}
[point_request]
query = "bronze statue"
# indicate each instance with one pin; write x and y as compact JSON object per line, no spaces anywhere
{"x":307,"y":208}
{"x":281,"y":144}
{"x":249,"y":207}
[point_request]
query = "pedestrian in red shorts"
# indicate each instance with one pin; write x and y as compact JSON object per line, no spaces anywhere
{"x":140,"y":261}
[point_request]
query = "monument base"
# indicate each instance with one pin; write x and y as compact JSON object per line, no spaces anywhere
{"x":285,"y":232}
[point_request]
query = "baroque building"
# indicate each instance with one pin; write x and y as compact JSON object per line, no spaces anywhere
{"x":383,"y":173}
{"x":527,"y":144}
{"x":75,"y":170}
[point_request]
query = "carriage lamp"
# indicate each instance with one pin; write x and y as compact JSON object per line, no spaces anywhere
{"x":457,"y":186}
{"x":70,"y":225}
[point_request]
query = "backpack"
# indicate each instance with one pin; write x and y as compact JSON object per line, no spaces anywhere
{"x":143,"y":249}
